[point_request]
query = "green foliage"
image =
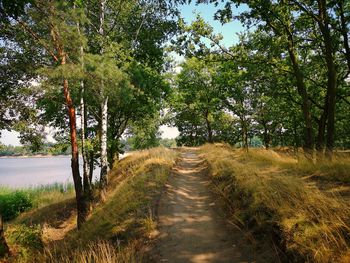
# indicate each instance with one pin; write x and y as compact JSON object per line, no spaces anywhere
{"x":14,"y":203}
{"x":144,"y":134}
{"x":281,"y":100}
{"x":197,"y":108}
{"x":168,"y":143}
{"x":29,"y":238}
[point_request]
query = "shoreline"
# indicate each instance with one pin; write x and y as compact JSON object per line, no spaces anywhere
{"x":33,"y":156}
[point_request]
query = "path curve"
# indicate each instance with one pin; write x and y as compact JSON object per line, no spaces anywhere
{"x":190,"y":228}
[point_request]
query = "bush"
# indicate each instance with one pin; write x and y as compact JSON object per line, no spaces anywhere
{"x":25,"y":241}
{"x":29,"y":237}
{"x":12,"y":204}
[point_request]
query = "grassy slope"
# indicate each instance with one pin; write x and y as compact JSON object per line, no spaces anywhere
{"x":117,"y":228}
{"x":277,"y":198}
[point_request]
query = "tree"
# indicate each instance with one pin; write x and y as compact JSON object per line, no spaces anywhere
{"x":196,"y":92}
{"x":311,"y":50}
{"x":58,"y":44}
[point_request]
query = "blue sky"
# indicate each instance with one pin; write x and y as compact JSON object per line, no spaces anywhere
{"x":207,"y":11}
{"x":189,"y":13}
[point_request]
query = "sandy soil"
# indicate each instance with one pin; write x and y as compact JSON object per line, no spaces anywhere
{"x":190,"y":226}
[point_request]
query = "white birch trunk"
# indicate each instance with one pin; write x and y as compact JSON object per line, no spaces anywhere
{"x":86,"y":180}
{"x":104,"y":160}
{"x":104,"y":113}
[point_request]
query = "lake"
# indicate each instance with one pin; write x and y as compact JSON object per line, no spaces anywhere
{"x":18,"y":172}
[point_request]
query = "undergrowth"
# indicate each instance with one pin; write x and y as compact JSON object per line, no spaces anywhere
{"x":272,"y":196}
{"x":16,"y":201}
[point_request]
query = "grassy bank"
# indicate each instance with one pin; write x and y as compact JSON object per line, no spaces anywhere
{"x":117,"y":229}
{"x":16,"y":201}
{"x":280,"y":200}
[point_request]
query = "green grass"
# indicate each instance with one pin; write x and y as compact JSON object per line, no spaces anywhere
{"x":275,"y":198}
{"x":15,"y":201}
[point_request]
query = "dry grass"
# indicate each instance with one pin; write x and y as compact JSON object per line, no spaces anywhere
{"x":117,"y":229}
{"x":272,"y":195}
{"x":97,"y":252}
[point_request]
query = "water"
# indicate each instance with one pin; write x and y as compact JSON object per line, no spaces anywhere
{"x":24,"y":172}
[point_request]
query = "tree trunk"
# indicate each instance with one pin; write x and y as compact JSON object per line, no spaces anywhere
{"x":321,"y":135}
{"x":4,"y":249}
{"x":295,"y":135}
{"x":113,"y":152}
{"x":266,"y":135}
{"x":86,"y":179}
{"x":104,"y":160}
{"x":91,"y":163}
{"x":344,"y":32}
{"x":104,"y":114}
{"x":80,"y":198}
{"x":308,"y":136}
{"x":82,"y":207}
{"x":209,"y":129}
{"x":244,"y":134}
{"x":323,"y":23}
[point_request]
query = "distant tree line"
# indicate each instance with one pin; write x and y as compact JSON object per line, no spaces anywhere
{"x":46,"y":149}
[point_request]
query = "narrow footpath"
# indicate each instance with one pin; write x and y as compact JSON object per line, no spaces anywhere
{"x":191,"y":228}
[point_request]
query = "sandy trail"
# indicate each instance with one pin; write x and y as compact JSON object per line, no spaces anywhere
{"x":191,"y":229}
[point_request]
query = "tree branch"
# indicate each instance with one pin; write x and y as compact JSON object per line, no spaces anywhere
{"x":36,"y":37}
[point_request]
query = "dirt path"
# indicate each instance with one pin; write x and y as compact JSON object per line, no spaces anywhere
{"x":191,"y":229}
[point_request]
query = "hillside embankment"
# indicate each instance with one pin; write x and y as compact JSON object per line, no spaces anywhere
{"x":209,"y":204}
{"x":300,"y":207}
{"x":116,"y":231}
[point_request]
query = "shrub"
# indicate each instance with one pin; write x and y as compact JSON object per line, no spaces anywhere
{"x":29,"y":237}
{"x":25,"y":242}
{"x":12,"y":204}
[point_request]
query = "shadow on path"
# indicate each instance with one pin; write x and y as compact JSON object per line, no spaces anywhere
{"x":190,"y":228}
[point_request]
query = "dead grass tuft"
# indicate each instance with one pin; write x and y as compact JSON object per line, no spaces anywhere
{"x":98,"y":252}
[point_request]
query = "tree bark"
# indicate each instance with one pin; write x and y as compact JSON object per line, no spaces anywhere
{"x":104,"y":160}
{"x":266,"y":135}
{"x":86,"y":181}
{"x":323,"y":23}
{"x":344,"y":32}
{"x":82,"y":207}
{"x":104,"y":114}
{"x":209,"y":129}
{"x":308,"y":136}
{"x":244,"y":134}
{"x":4,"y":249}
{"x":91,"y":164}
{"x":295,"y":135}
{"x":321,"y":135}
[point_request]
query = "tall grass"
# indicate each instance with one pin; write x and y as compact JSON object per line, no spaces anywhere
{"x":15,"y":201}
{"x":271,"y":194}
{"x":96,"y":252}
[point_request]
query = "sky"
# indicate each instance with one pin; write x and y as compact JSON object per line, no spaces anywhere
{"x":207,"y":11}
{"x":189,"y":13}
